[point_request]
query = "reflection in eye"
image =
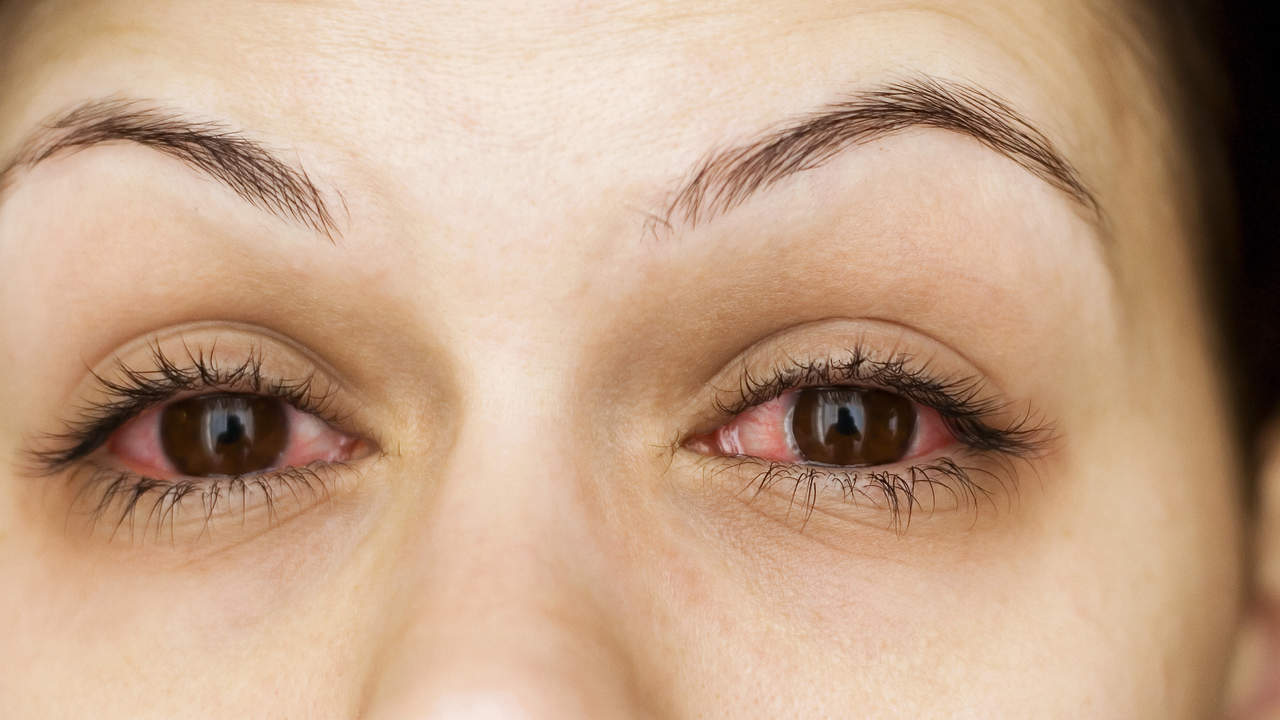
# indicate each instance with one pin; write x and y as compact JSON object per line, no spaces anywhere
{"x":851,"y":426}
{"x":223,"y":434}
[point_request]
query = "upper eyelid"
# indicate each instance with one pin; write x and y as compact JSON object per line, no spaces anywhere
{"x":898,"y":373}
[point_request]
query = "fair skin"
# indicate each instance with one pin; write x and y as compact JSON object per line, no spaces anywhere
{"x":528,"y":525}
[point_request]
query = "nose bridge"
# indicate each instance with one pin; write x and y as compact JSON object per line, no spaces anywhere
{"x":502,"y":618}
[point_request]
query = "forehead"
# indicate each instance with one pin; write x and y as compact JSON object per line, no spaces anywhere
{"x":413,"y":98}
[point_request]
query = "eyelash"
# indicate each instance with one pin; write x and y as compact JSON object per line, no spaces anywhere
{"x":138,"y":390}
{"x":131,"y":491}
{"x":963,"y":403}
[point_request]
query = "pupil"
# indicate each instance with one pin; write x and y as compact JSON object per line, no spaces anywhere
{"x":224,"y":434}
{"x":852,"y":426}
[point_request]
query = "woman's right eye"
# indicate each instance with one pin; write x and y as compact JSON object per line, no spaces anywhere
{"x":226,"y":435}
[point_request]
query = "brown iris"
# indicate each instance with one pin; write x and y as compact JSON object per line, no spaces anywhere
{"x":852,"y":426}
{"x":223,"y":434}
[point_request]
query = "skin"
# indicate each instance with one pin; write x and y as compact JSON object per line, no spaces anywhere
{"x":528,"y":537}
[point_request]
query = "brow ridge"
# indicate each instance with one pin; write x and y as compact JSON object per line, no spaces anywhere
{"x":724,"y":179}
{"x":246,"y":166}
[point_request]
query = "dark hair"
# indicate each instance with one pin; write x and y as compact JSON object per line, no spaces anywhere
{"x":1217,"y":52}
{"x":1254,"y":289}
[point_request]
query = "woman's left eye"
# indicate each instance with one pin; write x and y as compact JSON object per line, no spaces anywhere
{"x":226,"y":435}
{"x":835,"y":426}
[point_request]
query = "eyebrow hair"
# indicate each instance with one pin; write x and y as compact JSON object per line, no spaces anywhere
{"x":244,"y":165}
{"x":725,"y":179}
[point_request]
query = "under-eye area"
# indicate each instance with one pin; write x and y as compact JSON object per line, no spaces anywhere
{"x":190,"y":432}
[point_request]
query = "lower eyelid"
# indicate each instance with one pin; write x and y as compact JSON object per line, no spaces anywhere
{"x":889,"y":499}
{"x":118,"y":505}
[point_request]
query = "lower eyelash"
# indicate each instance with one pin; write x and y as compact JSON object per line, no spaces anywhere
{"x":123,"y":498}
{"x":900,"y":492}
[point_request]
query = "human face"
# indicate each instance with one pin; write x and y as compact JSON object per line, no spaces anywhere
{"x":515,"y":323}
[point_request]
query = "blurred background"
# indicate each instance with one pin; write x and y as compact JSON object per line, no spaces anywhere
{"x":1248,"y":37}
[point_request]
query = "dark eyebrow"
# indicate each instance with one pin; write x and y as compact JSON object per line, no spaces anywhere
{"x":725,"y":178}
{"x":244,"y":165}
